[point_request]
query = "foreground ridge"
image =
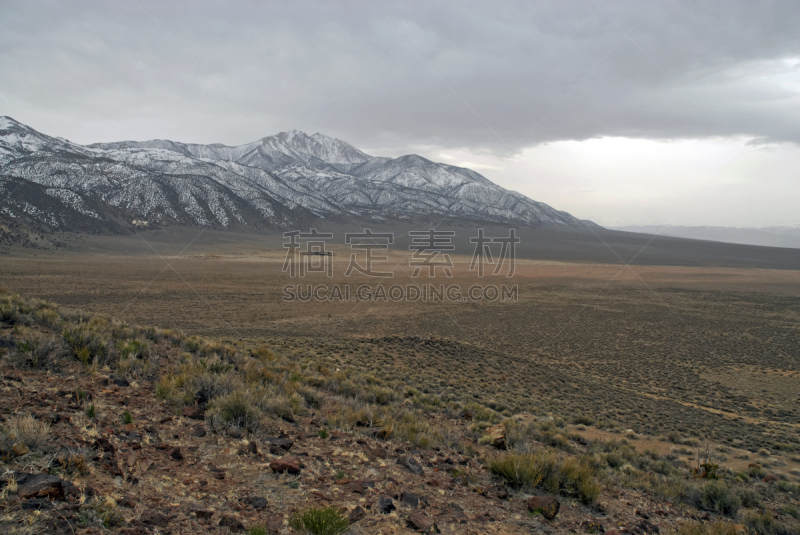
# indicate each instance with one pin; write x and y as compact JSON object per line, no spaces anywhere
{"x":139,"y":430}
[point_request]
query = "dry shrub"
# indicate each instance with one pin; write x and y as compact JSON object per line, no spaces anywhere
{"x":573,"y":476}
{"x":89,"y":342}
{"x":237,"y":410}
{"x":717,"y":497}
{"x":22,"y":434}
{"x":34,"y":350}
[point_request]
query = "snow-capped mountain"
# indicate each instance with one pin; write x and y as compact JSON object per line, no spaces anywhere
{"x":280,"y":181}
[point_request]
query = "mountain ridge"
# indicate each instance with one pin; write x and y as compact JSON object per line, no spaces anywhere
{"x":278,"y":181}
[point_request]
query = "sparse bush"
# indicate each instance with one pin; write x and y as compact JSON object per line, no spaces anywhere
{"x":756,"y":471}
{"x":320,"y":521}
{"x":101,"y":512}
{"x":574,"y":476}
{"x":762,"y":523}
{"x":675,"y":437}
{"x":48,"y":316}
{"x":88,"y":342}
{"x":22,"y":434}
{"x":791,"y":511}
{"x":583,"y":419}
{"x":717,"y":497}
{"x":749,"y":498}
{"x":235,"y":410}
{"x":74,"y":462}
{"x":34,"y":350}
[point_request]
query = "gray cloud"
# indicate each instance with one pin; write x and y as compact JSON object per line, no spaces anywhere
{"x":494,"y":77}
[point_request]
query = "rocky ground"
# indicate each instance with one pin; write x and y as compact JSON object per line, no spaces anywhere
{"x":89,"y":448}
{"x":168,"y":474}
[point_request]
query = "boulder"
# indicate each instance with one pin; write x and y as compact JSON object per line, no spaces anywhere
{"x":288,"y":464}
{"x":195,"y":412}
{"x":233,"y":524}
{"x":419,"y":522}
{"x":412,"y":464}
{"x":410,"y":499}
{"x":547,"y":505}
{"x":385,"y":505}
{"x":40,"y":486}
{"x":256,"y":502}
{"x":278,"y":446}
{"x":104,"y":444}
{"x":356,"y":514}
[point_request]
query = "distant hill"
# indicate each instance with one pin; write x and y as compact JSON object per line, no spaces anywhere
{"x":785,"y":236}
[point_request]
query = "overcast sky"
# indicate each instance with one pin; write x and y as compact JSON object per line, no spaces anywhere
{"x":623,"y":112}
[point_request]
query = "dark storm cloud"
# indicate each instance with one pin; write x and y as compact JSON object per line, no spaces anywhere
{"x":479,"y":75}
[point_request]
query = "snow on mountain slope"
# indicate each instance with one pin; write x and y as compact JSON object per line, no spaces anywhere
{"x":279,"y":181}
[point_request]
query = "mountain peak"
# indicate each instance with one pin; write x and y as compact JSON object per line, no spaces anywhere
{"x":298,"y":144}
{"x":8,"y":122}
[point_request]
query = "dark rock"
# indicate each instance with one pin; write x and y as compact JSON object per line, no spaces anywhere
{"x":412,"y":464}
{"x":410,"y":499}
{"x":199,"y":431}
{"x":111,"y":467}
{"x":289,"y":464}
{"x":195,"y":412}
{"x":176,"y":454}
{"x":152,"y":517}
{"x":232,"y":524}
{"x":360,"y":487}
{"x":421,"y":523}
{"x":127,"y":502}
{"x":252,"y":447}
{"x":37,"y":504}
{"x":547,"y":505}
{"x":121,"y":382}
{"x":357,"y":514}
{"x":385,"y":505}
{"x":41,"y":486}
{"x":256,"y":502}
{"x":202,"y":514}
{"x":278,"y":446}
{"x":104,"y":444}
